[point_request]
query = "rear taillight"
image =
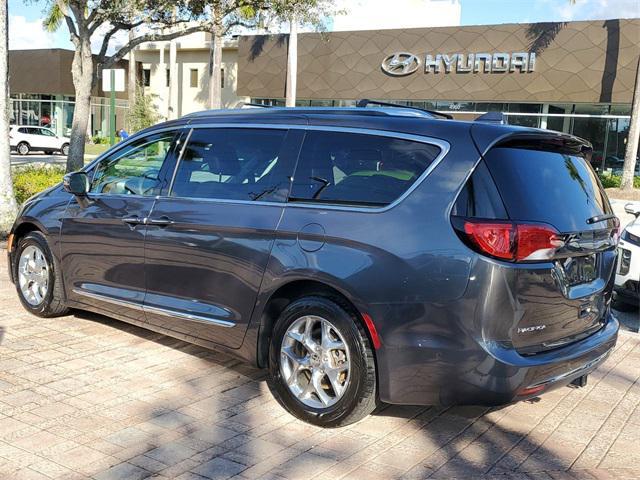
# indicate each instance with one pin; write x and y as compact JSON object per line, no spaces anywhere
{"x":512,"y":241}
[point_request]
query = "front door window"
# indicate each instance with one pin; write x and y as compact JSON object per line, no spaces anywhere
{"x":134,"y":169}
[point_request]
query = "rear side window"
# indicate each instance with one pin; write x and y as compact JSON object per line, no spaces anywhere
{"x":480,"y":197}
{"x":232,"y":164}
{"x":358,"y":169}
{"x":557,"y":188}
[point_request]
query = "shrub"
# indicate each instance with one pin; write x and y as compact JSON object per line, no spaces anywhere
{"x":613,"y":181}
{"x":99,"y":140}
{"x":28,"y":181}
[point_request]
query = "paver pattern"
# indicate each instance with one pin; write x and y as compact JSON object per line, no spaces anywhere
{"x":85,"y":396}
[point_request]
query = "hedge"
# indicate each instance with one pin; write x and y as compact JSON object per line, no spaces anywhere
{"x":27,"y":181}
{"x":613,"y":181}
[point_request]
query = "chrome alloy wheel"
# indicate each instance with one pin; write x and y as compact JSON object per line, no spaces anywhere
{"x":33,"y":275}
{"x":315,"y":361}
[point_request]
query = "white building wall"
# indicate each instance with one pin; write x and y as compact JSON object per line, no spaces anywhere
{"x":189,"y":57}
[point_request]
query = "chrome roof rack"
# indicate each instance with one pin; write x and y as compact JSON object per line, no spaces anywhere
{"x":366,"y":102}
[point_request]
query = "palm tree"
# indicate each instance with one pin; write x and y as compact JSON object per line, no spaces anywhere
{"x":8,"y":206}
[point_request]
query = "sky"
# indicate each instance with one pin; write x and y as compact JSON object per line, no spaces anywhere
{"x":25,"y":20}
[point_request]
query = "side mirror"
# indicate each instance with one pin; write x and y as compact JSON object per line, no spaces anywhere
{"x":633,"y":209}
{"x":76,"y":183}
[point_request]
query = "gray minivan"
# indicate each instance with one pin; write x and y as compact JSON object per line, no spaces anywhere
{"x":361,"y":255}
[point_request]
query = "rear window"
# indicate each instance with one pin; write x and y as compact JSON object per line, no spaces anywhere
{"x":358,"y":169}
{"x":560,"y":189}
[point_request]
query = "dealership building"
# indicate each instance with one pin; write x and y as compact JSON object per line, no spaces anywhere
{"x":42,"y":93}
{"x":575,"y":77}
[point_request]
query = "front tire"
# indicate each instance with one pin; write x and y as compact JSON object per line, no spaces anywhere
{"x":38,"y":280}
{"x":65,"y":150}
{"x":321,"y":365}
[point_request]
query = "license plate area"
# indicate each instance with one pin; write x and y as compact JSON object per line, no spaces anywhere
{"x":580,"y":270}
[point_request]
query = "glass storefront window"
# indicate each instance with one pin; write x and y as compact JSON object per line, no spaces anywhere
{"x":524,"y":121}
{"x":559,"y":124}
{"x":455,"y":106}
{"x":490,"y":107}
{"x":592,"y":108}
{"x":620,"y":110}
{"x":594,"y":130}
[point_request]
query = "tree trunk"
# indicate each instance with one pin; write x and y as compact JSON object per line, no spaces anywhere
{"x":292,"y":64}
{"x":133,"y":71}
{"x":8,"y":206}
{"x":632,"y":141}
{"x":83,"y":81}
{"x":215,"y":69}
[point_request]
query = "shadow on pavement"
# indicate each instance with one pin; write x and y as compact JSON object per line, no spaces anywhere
{"x":218,"y":420}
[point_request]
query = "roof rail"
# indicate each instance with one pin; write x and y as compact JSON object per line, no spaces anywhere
{"x":252,"y":105}
{"x":492,"y":117}
{"x":365,"y":102}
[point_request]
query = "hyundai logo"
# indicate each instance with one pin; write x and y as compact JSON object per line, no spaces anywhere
{"x":400,"y":64}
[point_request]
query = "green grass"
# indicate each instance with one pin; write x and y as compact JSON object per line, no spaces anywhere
{"x":95,"y":149}
{"x":30,"y":180}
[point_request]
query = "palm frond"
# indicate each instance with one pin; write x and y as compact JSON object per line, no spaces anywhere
{"x":53,"y":19}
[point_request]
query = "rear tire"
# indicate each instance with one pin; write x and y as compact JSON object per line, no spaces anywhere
{"x":23,"y":148}
{"x":333,"y":399}
{"x":35,"y":265}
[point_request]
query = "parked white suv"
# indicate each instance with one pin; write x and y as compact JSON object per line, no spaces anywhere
{"x":24,"y":139}
{"x":627,"y":287}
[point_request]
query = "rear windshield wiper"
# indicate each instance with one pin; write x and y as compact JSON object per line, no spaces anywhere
{"x":600,"y":218}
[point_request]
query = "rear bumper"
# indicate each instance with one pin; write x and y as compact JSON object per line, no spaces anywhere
{"x":486,"y":374}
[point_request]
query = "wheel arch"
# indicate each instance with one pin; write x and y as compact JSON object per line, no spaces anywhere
{"x":294,"y":289}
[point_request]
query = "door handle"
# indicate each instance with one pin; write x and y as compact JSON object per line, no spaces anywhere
{"x":160,"y":222}
{"x":132,"y":221}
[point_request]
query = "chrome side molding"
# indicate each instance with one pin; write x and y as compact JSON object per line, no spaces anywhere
{"x":157,"y":310}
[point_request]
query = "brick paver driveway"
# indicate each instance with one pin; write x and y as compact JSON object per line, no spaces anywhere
{"x":85,"y":396}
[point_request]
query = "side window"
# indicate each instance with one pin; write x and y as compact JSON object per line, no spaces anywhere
{"x":358,"y":169}
{"x":23,"y":130}
{"x":480,"y":197}
{"x":233,"y":164}
{"x":47,"y":133}
{"x":135,"y":169}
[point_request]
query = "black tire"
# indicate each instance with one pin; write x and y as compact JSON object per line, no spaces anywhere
{"x":53,"y":303}
{"x":23,"y":148}
{"x":65,"y":150}
{"x":360,"y":397}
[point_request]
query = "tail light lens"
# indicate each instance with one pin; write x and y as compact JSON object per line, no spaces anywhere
{"x":513,"y":241}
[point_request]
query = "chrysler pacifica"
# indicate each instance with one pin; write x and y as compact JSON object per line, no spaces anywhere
{"x":361,"y":255}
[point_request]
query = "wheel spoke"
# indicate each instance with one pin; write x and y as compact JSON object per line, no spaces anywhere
{"x":333,"y":375}
{"x":328,"y":343}
{"x":307,"y":340}
{"x":316,"y":380}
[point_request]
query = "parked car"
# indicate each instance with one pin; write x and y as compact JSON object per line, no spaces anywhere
{"x":361,"y":255}
{"x":627,"y":287}
{"x":24,"y":139}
